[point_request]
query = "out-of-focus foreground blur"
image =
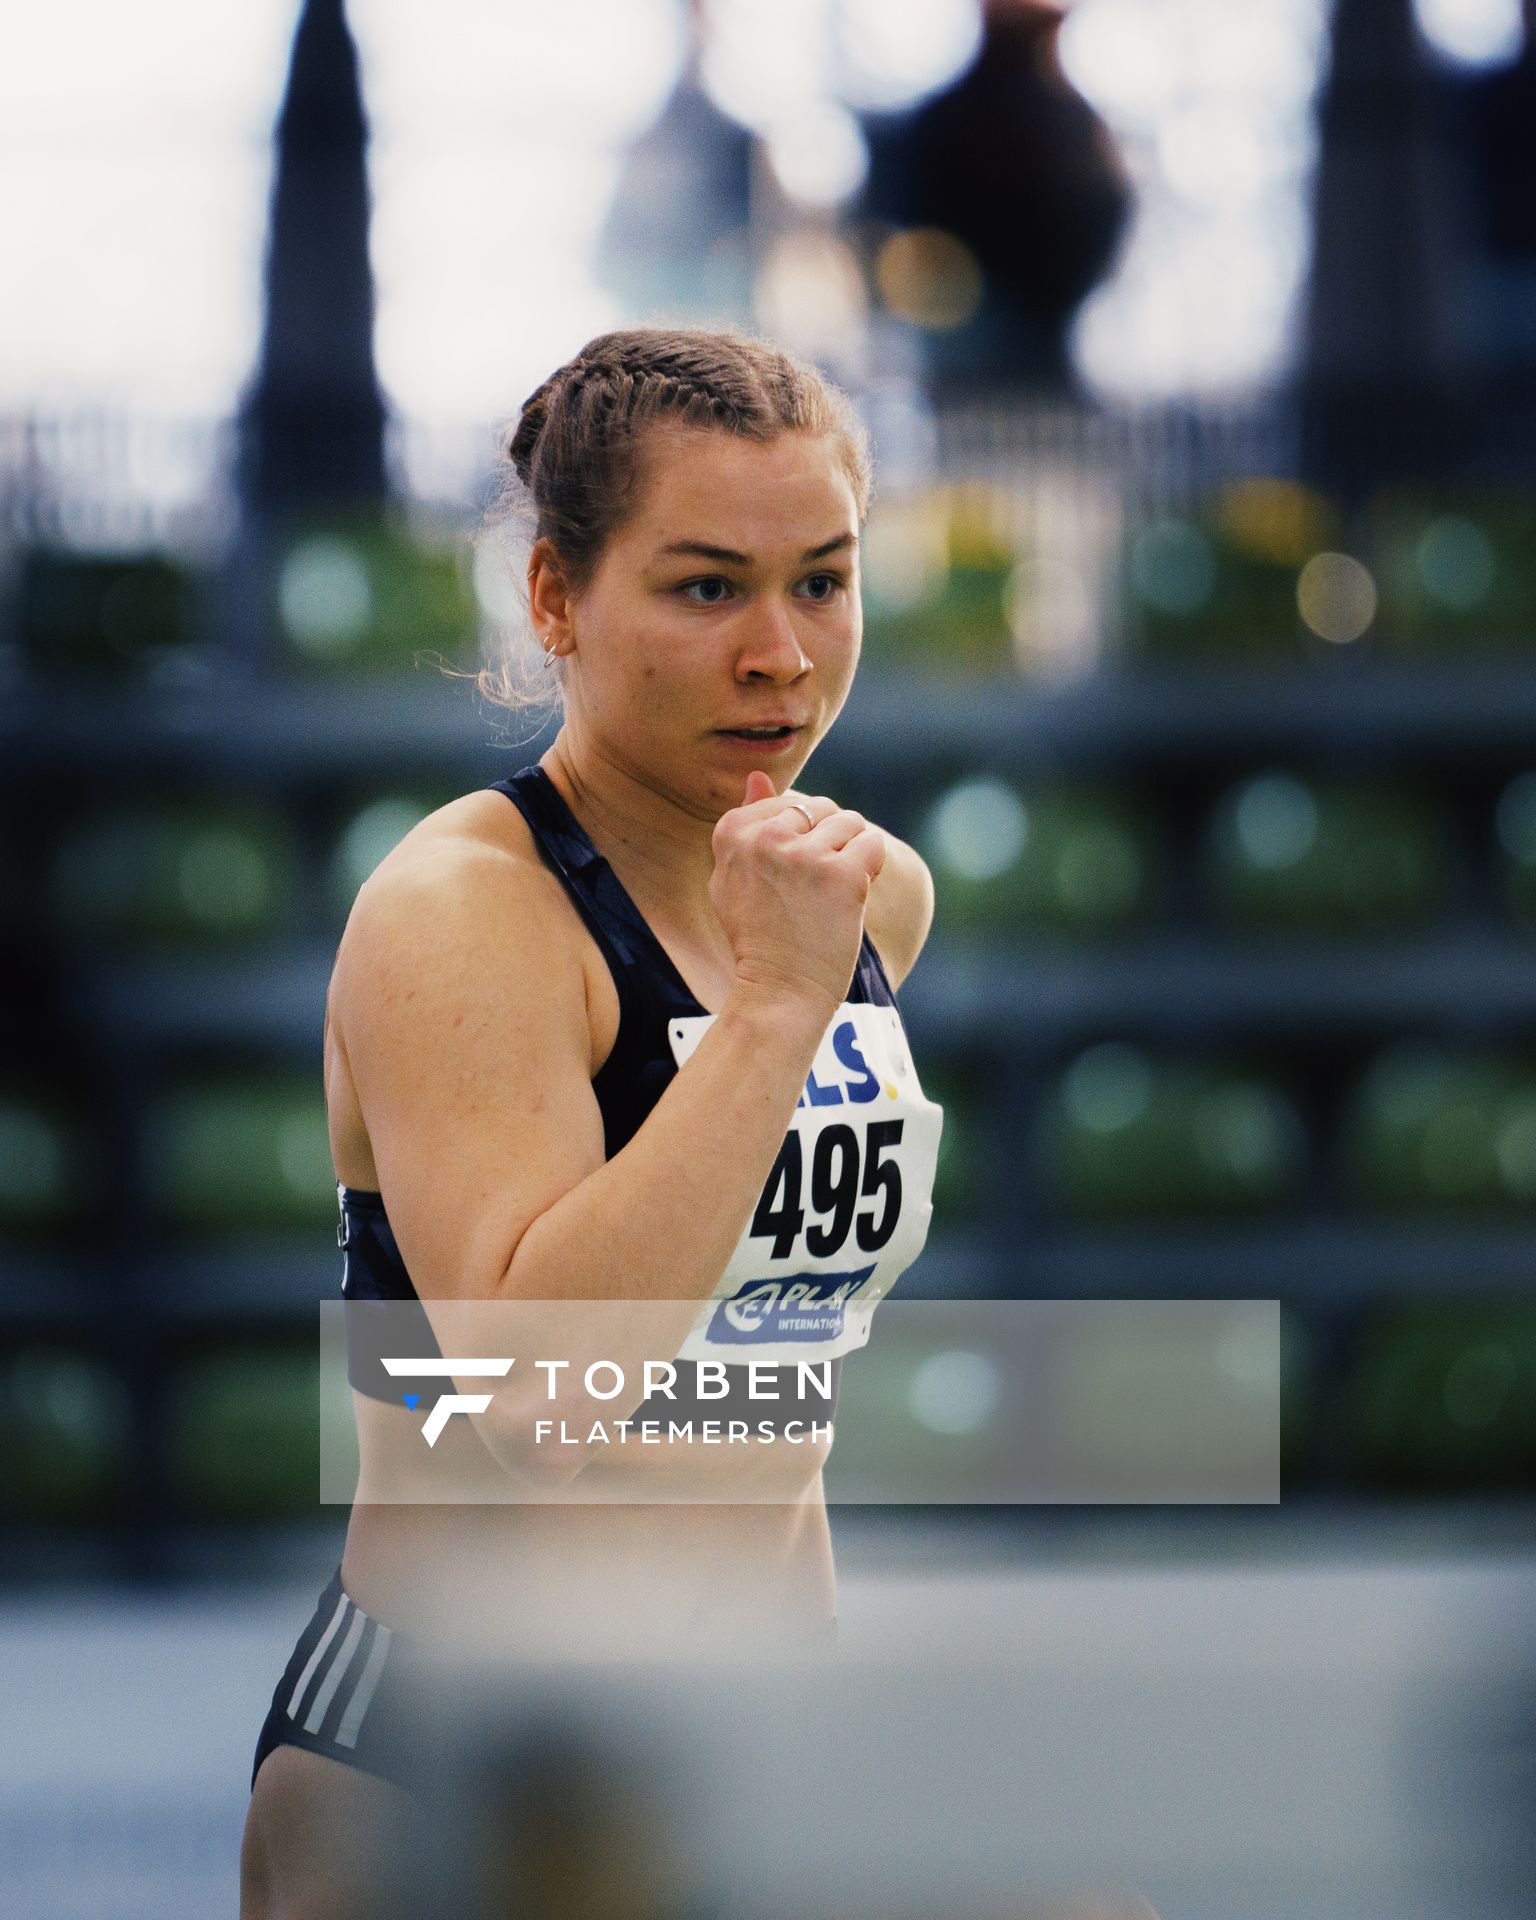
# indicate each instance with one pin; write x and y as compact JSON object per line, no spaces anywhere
{"x":1198,"y":344}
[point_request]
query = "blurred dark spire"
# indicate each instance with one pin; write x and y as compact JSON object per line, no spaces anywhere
{"x":1383,"y":360}
{"x":1014,"y":163}
{"x":313,"y":423}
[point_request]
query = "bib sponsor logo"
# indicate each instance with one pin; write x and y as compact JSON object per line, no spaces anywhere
{"x":802,"y":1306}
{"x":850,"y":1083}
{"x":862,"y":1057}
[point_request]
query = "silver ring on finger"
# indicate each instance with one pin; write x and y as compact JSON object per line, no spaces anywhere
{"x":806,"y":811}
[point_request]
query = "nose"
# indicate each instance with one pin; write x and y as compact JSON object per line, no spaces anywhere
{"x":773,"y":650}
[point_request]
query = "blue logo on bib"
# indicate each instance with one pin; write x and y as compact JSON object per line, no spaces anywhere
{"x":801,"y":1306}
{"x":845,"y":1044}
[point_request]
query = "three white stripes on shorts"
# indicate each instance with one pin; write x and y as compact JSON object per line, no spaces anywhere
{"x":363,"y":1683}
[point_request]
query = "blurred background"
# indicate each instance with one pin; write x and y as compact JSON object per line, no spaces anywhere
{"x":1198,"y":343}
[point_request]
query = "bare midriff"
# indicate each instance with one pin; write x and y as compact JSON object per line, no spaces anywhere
{"x":632,"y":1554}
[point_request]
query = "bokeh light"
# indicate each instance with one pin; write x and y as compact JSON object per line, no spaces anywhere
{"x":955,"y":1392}
{"x":1336,"y":596}
{"x":810,"y":294}
{"x":929,"y":277}
{"x":1456,"y":562}
{"x":1475,"y":32}
{"x":1515,"y":819}
{"x":324,"y":594}
{"x":818,"y":154}
{"x":34,"y":1162}
{"x":1173,"y":567}
{"x":890,"y":56}
{"x":1108,"y":1088}
{"x":1275,"y":820}
{"x":978,"y":828}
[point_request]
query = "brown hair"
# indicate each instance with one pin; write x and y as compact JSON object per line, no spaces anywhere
{"x":575,"y":456}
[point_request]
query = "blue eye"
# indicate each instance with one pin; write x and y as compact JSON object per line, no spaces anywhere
{"x":710,"y":580}
{"x":833,"y":583}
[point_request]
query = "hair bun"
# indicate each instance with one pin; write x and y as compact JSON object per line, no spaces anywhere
{"x":525,"y":435}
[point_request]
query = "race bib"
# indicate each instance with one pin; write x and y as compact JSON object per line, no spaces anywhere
{"x":845,"y":1209}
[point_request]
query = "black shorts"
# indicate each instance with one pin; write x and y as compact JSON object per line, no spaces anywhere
{"x":354,"y":1691}
{"x":344,"y":1692}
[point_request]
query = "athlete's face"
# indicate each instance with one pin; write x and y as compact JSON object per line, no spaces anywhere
{"x":728,"y":599}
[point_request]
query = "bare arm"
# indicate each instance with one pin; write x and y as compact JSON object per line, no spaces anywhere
{"x":900,"y":910}
{"x":460,"y":998}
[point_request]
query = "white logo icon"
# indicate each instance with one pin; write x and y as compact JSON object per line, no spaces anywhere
{"x":448,"y":1404}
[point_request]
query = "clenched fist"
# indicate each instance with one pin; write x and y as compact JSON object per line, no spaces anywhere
{"x":792,"y":876}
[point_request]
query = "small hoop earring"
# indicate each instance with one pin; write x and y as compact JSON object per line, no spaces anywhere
{"x":549,"y":657}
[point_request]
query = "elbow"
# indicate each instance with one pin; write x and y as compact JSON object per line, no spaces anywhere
{"x":529,"y":1445}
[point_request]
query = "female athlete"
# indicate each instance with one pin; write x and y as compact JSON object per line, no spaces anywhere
{"x":621,"y":1027}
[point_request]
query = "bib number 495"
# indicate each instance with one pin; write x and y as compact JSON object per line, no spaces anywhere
{"x":838,"y":1184}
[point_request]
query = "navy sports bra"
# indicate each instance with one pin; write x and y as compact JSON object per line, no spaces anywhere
{"x":630,"y":1081}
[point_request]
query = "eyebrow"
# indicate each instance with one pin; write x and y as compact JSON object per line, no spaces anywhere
{"x":702,"y":550}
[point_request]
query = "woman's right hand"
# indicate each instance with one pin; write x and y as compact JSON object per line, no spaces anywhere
{"x":790,"y":897}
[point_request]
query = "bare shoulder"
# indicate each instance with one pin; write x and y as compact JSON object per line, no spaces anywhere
{"x":461,"y":1044}
{"x":469,"y":868}
{"x":465,"y":888}
{"x":900,"y":908}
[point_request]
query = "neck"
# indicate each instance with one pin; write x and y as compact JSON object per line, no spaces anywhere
{"x":662,"y":853}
